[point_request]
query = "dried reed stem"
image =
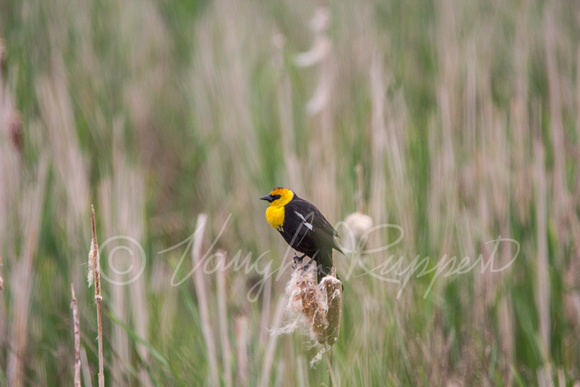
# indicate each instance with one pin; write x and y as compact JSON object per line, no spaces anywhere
{"x":241,"y":328}
{"x":95,"y":269}
{"x":271,"y":345}
{"x":265,"y":313}
{"x":77,"y":337}
{"x":202,"y":299}
{"x":330,"y":371}
{"x":543,"y":282}
{"x":559,"y":188}
{"x":223,"y":320}
{"x":1,"y":280}
{"x":22,"y":276}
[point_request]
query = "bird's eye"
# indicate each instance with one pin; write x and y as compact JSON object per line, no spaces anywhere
{"x":275,"y":197}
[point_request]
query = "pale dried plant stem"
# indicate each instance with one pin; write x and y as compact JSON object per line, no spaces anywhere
{"x":202,"y":298}
{"x":241,"y":328}
{"x":114,"y":218}
{"x":223,"y":319}
{"x":330,"y":371}
{"x":98,"y":297}
{"x":86,"y":368}
{"x":271,"y":345}
{"x":77,"y":337}
{"x":23,"y":276}
{"x":543,"y":284}
{"x":559,"y":188}
{"x":265,"y":315}
{"x":578,"y":91}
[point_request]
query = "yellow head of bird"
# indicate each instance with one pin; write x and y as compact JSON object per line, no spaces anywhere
{"x":279,"y":197}
{"x":275,"y":214}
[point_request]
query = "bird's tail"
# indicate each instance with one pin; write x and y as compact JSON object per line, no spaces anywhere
{"x":324,"y":264}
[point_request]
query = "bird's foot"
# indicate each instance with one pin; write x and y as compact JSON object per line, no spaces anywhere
{"x":307,"y":266}
{"x":297,"y":260}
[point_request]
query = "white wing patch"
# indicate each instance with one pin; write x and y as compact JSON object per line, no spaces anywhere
{"x":308,"y":225}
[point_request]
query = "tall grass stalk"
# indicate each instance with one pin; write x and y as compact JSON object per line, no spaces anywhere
{"x":542,"y":275}
{"x":202,"y":298}
{"x":95,"y":277}
{"x":269,"y":353}
{"x":77,"y":337}
{"x":223,"y":321}
{"x":23,"y":275}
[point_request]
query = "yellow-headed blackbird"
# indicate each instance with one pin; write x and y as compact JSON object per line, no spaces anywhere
{"x":303,"y":227}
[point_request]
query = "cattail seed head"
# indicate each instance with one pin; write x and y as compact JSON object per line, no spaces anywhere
{"x":91,"y":274}
{"x":357,"y":225}
{"x":316,"y":306}
{"x":332,"y":290}
{"x":307,"y":301}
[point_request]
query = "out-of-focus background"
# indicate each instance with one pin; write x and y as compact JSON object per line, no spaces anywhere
{"x":464,"y":117}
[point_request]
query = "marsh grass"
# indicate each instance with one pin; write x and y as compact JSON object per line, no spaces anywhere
{"x":465,"y":118}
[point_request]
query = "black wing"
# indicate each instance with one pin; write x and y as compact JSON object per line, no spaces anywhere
{"x":321,"y":229}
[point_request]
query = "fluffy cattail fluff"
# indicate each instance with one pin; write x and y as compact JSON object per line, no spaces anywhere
{"x":314,"y":309}
{"x":94,"y":268}
{"x":306,"y":300}
{"x":92,"y":260}
{"x":357,"y":225}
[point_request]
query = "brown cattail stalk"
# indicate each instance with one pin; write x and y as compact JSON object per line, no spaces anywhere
{"x":332,"y":289}
{"x":77,"y":337}
{"x":95,"y":274}
{"x":330,"y":371}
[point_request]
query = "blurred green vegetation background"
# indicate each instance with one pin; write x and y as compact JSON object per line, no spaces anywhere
{"x":465,"y":119}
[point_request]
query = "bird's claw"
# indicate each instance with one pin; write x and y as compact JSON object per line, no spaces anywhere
{"x":297,"y":260}
{"x":307,"y":266}
{"x":295,"y":265}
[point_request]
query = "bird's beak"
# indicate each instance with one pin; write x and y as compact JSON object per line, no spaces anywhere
{"x":268,"y":198}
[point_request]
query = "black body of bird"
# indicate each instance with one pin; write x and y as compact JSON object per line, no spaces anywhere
{"x":303,"y":227}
